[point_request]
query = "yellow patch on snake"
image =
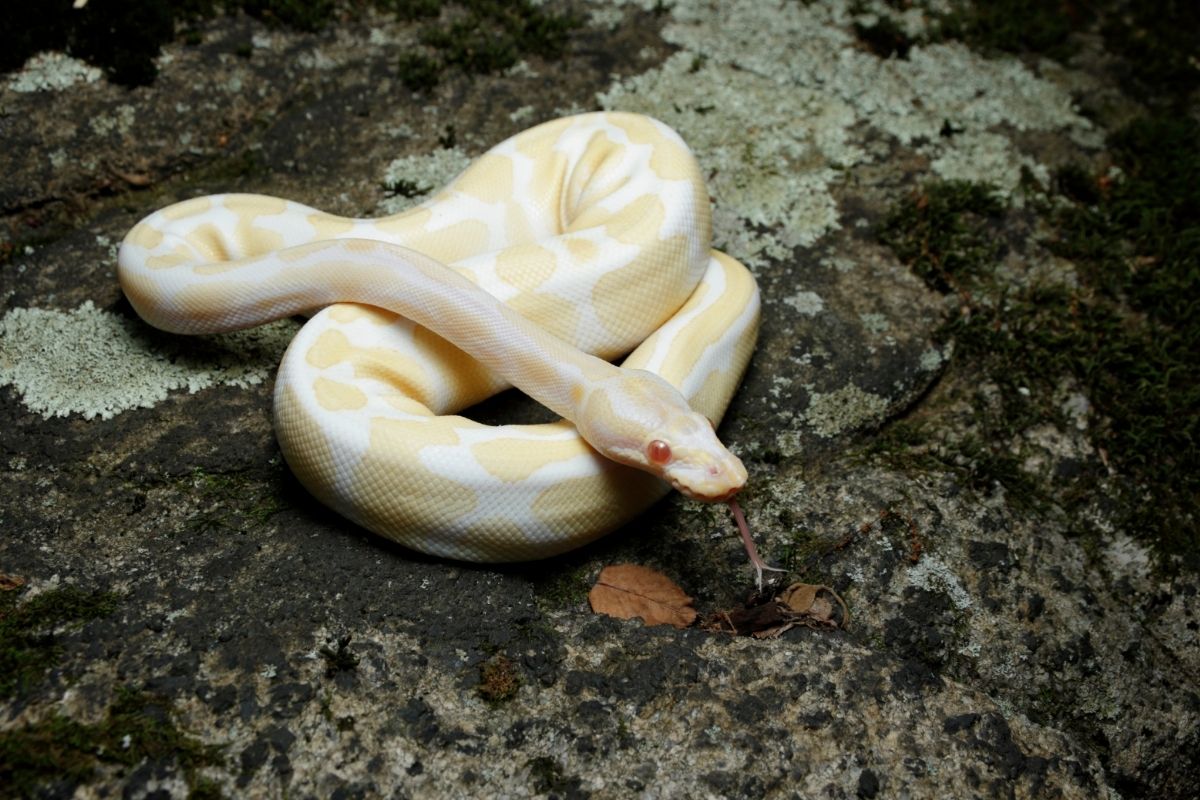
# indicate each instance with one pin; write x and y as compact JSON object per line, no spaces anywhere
{"x":338,"y":396}
{"x":620,"y":303}
{"x":540,"y":140}
{"x":328,"y":226}
{"x":555,"y":314}
{"x":545,"y":182}
{"x":345,"y":313}
{"x":665,"y":158}
{"x":188,"y":208}
{"x":513,"y":460}
{"x":389,"y":367}
{"x":332,"y":347}
{"x":596,"y":173}
{"x":489,"y":179}
{"x":397,"y":486}
{"x":261,"y":240}
{"x":690,"y":342}
{"x":307,"y":251}
{"x":582,"y":250}
{"x":404,"y":403}
{"x":407,"y":226}
{"x":526,"y":267}
{"x":460,"y":373}
{"x":455,"y":242}
{"x":574,"y":502}
{"x":362,"y":246}
{"x":180,"y":255}
{"x":713,"y":396}
{"x":145,"y":236}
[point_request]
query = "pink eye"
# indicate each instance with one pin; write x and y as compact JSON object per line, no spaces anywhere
{"x":658,"y":451}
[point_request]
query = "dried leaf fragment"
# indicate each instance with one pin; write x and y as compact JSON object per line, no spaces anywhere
{"x":626,"y":591}
{"x":806,"y":604}
{"x":10,"y":583}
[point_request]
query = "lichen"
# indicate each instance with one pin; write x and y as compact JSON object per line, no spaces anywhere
{"x":98,"y":364}
{"x":807,"y":304}
{"x":778,"y":101}
{"x":847,"y":408}
{"x":933,"y":575}
{"x":52,"y":72}
{"x":411,"y":178}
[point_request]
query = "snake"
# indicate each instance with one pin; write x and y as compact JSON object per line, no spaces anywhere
{"x":577,"y":243}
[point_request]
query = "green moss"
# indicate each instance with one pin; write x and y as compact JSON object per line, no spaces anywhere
{"x":800,"y":553}
{"x":1126,"y":337}
{"x":557,"y":590}
{"x":418,"y":72}
{"x":124,"y":37}
{"x":62,"y":753}
{"x":1158,"y":42}
{"x":484,"y":36}
{"x":28,"y":646}
{"x":1132,"y":336}
{"x":230,"y":501}
{"x":1013,"y":26}
{"x":946,"y":232}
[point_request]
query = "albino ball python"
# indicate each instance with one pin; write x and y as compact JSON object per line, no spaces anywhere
{"x":588,"y":234}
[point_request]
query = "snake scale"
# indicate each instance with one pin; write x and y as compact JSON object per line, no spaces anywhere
{"x":577,"y":241}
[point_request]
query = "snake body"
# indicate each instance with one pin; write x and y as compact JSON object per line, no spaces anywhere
{"x":585,"y":235}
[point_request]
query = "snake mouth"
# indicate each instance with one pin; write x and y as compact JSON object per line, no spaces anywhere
{"x":708,"y":487}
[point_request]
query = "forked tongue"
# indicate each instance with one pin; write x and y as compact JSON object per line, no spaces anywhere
{"x":751,"y":550}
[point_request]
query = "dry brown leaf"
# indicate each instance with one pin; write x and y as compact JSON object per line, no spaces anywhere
{"x":799,"y":597}
{"x":804,"y":604}
{"x":805,"y":600}
{"x":626,"y":591}
{"x":9,"y":583}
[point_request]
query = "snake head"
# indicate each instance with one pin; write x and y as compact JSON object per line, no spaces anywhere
{"x":640,"y":420}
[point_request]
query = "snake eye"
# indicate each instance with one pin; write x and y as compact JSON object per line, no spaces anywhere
{"x":658,"y":452}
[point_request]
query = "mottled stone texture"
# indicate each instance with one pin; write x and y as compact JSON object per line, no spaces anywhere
{"x":989,"y":654}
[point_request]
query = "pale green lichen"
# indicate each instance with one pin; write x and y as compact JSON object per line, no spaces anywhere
{"x":875,"y":323}
{"x":771,"y":186}
{"x":120,"y":122}
{"x":992,"y":159}
{"x":847,"y":408}
{"x":412,"y":178}
{"x":52,"y":72}
{"x":779,"y":99}
{"x":931,"y":359}
{"x":807,"y":304}
{"x":98,"y":364}
{"x":933,"y":575}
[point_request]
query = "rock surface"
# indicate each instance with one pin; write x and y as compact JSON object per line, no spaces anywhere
{"x":990,"y":653}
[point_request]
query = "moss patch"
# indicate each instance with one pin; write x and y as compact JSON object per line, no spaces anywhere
{"x":28,"y":645}
{"x":62,"y":753}
{"x":1124,"y":335}
{"x":230,"y":501}
{"x":1013,"y":26}
{"x":946,"y":233}
{"x":124,"y":37}
{"x":480,"y":37}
